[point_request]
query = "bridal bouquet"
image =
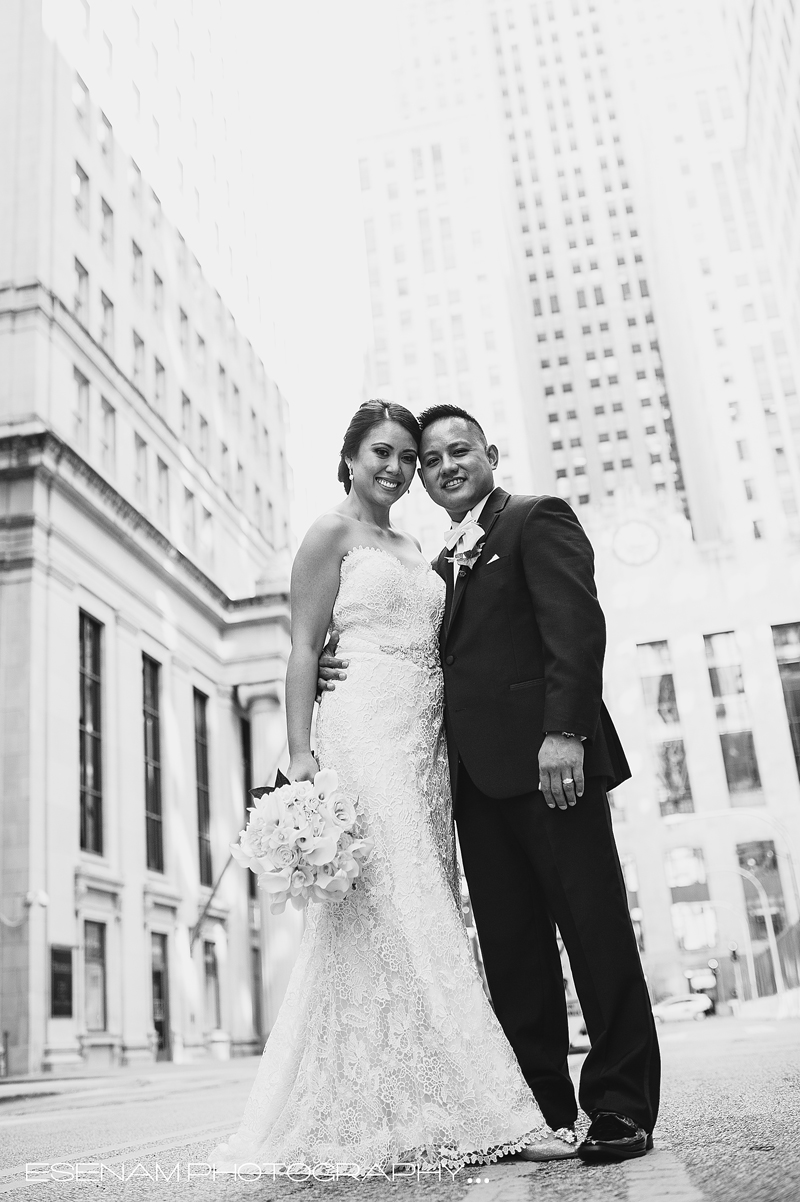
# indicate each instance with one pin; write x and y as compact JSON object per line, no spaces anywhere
{"x":303,"y":843}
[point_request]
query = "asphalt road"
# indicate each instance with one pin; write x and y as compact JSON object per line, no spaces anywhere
{"x":728,"y":1133}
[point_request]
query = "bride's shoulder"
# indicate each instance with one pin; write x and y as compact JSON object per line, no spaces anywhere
{"x":328,"y":536}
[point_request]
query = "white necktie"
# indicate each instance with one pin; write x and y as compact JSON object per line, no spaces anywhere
{"x":467,"y":534}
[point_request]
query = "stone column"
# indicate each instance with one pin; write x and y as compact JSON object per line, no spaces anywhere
{"x":280,"y":933}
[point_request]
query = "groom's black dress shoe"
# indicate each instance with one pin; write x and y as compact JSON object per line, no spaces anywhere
{"x":613,"y":1137}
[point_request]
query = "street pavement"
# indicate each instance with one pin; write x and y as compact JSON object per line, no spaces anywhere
{"x":729,"y":1132}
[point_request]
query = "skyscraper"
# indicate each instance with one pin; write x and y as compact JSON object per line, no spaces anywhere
{"x":764,"y":40}
{"x":652,"y":387}
{"x":143,"y":608}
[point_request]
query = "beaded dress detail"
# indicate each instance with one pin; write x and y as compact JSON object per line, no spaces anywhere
{"x":386,"y":1049}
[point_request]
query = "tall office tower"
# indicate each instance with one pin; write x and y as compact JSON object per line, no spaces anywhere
{"x":700,"y":641}
{"x":580,"y":240}
{"x":765,"y":40}
{"x":440,"y":229}
{"x":656,"y":383}
{"x":143,"y":613}
{"x":727,"y":341}
{"x":502,"y":155}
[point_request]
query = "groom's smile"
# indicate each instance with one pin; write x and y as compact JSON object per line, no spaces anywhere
{"x":456,"y":465}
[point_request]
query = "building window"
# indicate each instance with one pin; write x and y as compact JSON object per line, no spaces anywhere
{"x":80,"y":190}
{"x":108,"y":444}
{"x":222,"y":385}
{"x":81,"y":409}
{"x":258,"y":508}
{"x":212,"y":1009}
{"x":186,"y":420}
{"x":189,"y":530}
{"x":202,"y":784}
{"x":106,"y":140}
{"x":225,"y":468}
{"x":202,"y":442}
{"x":151,"y":672}
{"x":598,"y":296}
{"x":137,"y":270}
{"x":663,"y":720}
{"x":80,"y":98}
{"x":90,"y":737}
{"x":183,"y":323}
{"x":158,"y":297}
{"x":246,"y":733}
{"x":694,"y":925}
{"x":159,"y":968}
{"x":207,"y":538}
{"x":107,"y":324}
{"x":107,"y":228}
{"x":138,"y":360}
{"x":733,"y":718}
{"x":256,"y":987}
{"x":787,"y":652}
{"x":80,"y":301}
{"x":163,"y":494}
{"x":760,"y":859}
{"x":94,"y":970}
{"x":61,"y":982}
{"x":159,"y":384}
{"x":686,"y":874}
{"x":200,"y":356}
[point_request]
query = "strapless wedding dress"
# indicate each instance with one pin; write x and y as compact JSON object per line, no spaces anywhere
{"x":386,"y":1049}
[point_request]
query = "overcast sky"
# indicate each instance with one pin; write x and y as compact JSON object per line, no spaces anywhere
{"x":318,"y":64}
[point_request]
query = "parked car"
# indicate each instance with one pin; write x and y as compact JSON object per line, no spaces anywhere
{"x":578,"y":1038}
{"x":683,"y":1007}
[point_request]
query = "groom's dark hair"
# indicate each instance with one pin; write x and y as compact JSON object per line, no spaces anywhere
{"x":438,"y":413}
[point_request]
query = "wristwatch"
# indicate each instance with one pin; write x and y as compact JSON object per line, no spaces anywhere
{"x":568,"y":734}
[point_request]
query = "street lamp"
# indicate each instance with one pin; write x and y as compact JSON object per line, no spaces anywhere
{"x":39,"y":898}
{"x":748,"y":945}
{"x":772,"y":942}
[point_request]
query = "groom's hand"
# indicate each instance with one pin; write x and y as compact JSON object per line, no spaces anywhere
{"x":561,"y":770}
{"x":330,"y":668}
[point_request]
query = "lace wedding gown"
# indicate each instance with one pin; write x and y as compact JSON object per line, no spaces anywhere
{"x":385,"y":1049}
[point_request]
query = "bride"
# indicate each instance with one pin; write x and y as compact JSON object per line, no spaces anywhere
{"x":385,"y":1050}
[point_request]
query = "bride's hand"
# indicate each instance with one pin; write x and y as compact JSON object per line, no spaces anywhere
{"x":302,"y":767}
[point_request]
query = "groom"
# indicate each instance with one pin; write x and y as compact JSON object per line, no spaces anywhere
{"x":532,"y":753}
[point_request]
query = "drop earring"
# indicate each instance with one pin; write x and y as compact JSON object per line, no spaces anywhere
{"x":351,"y":471}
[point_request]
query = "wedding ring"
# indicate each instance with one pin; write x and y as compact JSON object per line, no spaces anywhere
{"x":567,"y":780}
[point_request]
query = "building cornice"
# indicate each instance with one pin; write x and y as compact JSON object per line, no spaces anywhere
{"x":39,"y":452}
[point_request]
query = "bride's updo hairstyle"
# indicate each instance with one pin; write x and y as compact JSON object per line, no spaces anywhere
{"x":366,"y":417}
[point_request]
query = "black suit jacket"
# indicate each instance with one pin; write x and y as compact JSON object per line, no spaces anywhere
{"x":522,"y":647}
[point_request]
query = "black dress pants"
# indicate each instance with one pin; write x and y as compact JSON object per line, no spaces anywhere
{"x":530,"y":868}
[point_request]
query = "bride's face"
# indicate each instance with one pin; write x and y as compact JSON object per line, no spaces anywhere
{"x":384,"y":465}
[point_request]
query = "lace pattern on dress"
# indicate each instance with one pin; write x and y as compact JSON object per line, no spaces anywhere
{"x":386,"y":1049}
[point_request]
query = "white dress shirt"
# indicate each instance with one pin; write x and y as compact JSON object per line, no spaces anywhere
{"x":473,"y":513}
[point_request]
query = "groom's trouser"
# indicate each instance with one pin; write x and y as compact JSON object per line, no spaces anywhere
{"x":528,"y":868}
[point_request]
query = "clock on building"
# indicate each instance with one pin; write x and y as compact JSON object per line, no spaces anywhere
{"x":635,"y":543}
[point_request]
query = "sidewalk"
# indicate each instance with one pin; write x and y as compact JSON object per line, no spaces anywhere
{"x":777,"y":1005}
{"x":43,"y":1085}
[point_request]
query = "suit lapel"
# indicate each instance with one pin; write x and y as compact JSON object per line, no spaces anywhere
{"x":489,"y":515}
{"x":445,"y":570}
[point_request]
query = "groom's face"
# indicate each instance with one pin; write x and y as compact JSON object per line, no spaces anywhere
{"x":456,"y":465}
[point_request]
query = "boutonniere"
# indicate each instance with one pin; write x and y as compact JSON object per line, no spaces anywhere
{"x":467,"y":558}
